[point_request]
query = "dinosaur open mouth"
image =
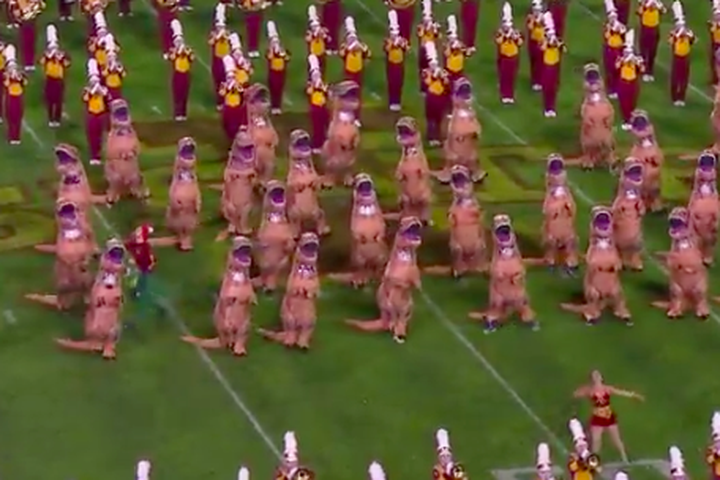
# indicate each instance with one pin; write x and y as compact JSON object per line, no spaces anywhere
{"x":640,"y":122}
{"x":352,"y":94}
{"x":592,"y":76}
{"x":115,"y":254}
{"x":67,"y":211}
{"x":302,"y":145}
{"x":261,"y":96}
{"x":413,"y":232}
{"x":555,"y":166}
{"x":246,"y":152}
{"x":364,"y":188}
{"x":677,"y":224}
{"x":504,"y":233}
{"x":187,"y":151}
{"x":463,"y":90}
{"x":634,"y":172}
{"x":243,"y":253}
{"x":309,"y":249}
{"x":121,"y":113}
{"x":277,"y":195}
{"x":602,"y":221}
{"x":706,"y":162}
{"x":64,"y":157}
{"x":405,"y":132}
{"x":459,"y":177}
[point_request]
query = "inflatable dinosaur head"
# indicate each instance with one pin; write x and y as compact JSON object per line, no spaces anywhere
{"x":67,"y":159}
{"x":407,"y":132}
{"x":242,"y":152}
{"x":120,"y":113}
{"x":463,"y":92}
{"x":185,"y":158}
{"x":555,"y":173}
{"x":461,"y":182}
{"x":346,"y":96}
{"x":241,"y":253}
{"x":601,"y":223}
{"x":112,"y":262}
{"x":679,"y":223}
{"x":642,"y":128}
{"x":300,"y":145}
{"x":706,"y":173}
{"x":409,"y":233}
{"x":593,"y":81}
{"x":308,"y":249}
{"x":364,"y":195}
{"x":258,"y":99}
{"x":632,"y":174}
{"x":504,"y":236}
{"x":67,"y":216}
{"x":275,"y":200}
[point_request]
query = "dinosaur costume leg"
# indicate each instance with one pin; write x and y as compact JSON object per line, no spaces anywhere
{"x":306,"y":328}
{"x":80,"y":345}
{"x":239,"y":340}
{"x":321,"y":223}
{"x":206,"y":343}
{"x":702,"y":307}
{"x":620,"y":309}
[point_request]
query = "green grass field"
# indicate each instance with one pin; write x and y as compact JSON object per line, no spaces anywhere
{"x":353,"y":398}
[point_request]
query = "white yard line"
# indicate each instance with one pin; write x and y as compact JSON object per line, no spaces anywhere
{"x":180,"y":324}
{"x":659,"y":63}
{"x":10,"y":317}
{"x":156,"y":109}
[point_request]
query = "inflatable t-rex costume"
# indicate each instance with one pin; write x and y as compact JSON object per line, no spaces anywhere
{"x":290,"y":468}
{"x":303,"y":183}
{"x":704,"y":206}
{"x":648,"y":152}
{"x":74,"y":249}
{"x":340,"y":148}
{"x":239,"y":181}
{"x":596,"y":131}
{"x":298,"y":311}
{"x":275,"y":241}
{"x":559,"y":211}
{"x":628,"y":210}
{"x":602,"y":285}
{"x":122,"y":168}
{"x":233,"y":308}
{"x":688,"y":274}
{"x":463,"y":134}
{"x":412,"y":172}
{"x":467,"y":240}
{"x":508,"y":293}
{"x":402,"y":275}
{"x":262,"y":130}
{"x":102,"y":318}
{"x":185,"y":200}
{"x":367,"y":226}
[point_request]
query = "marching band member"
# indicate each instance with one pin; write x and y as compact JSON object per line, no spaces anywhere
{"x":614,"y":36}
{"x":253,"y":24}
{"x":15,"y":82}
{"x":65,"y":10}
{"x":535,"y":26}
{"x":558,"y":10}
{"x":54,"y":62}
{"x":552,"y":52}
{"x":317,"y":38}
{"x":446,"y":468}
{"x":219,"y":41}
{"x":428,"y":31}
{"x":243,"y":67}
{"x":376,"y":471}
{"x":290,"y":468}
{"x":90,"y":8}
{"x":140,"y":248}
{"x":331,"y":13}
{"x":166,"y":13}
{"x":181,"y":57}
{"x":437,"y":94}
{"x":113,"y":73}
{"x":317,"y":92}
{"x":650,"y":13}
{"x":544,"y":465}
{"x":677,"y":464}
{"x":25,"y":14}
{"x":278,"y":59}
{"x":469,"y":15}
{"x":396,"y":48}
{"x":96,"y":99}
{"x":2,"y":77}
{"x":124,"y":8}
{"x":508,"y":40}
{"x":714,"y":26}
{"x":234,"y":113}
{"x":97,"y":47}
{"x":455,"y":51}
{"x":629,"y":67}
{"x":712,"y":456}
{"x":405,"y":11}
{"x":582,"y":463}
{"x":681,"y":41}
{"x":243,"y":474}
{"x":355,"y":53}
{"x":142,"y":472}
{"x":623,"y":7}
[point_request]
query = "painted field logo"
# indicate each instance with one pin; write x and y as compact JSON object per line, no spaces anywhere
{"x":660,"y":468}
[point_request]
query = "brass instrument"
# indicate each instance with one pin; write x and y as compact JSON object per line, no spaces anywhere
{"x":303,"y":473}
{"x":26,"y":10}
{"x":593,"y":461}
{"x":458,"y":471}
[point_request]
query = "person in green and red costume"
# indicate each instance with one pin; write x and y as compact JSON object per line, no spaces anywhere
{"x":140,"y":248}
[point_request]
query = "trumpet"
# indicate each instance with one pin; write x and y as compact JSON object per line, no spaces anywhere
{"x":26,"y":10}
{"x":593,"y":461}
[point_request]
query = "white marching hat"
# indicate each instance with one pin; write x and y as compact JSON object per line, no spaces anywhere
{"x":142,"y":472}
{"x":243,"y":474}
{"x":290,"y":450}
{"x":51,"y":36}
{"x":376,"y":471}
{"x":220,"y":15}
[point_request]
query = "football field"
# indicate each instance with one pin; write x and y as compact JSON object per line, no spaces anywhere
{"x":353,"y":398}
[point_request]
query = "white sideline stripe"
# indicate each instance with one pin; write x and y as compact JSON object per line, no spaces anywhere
{"x":661,"y":466}
{"x":182,"y":326}
{"x":10,"y":317}
{"x":659,"y":63}
{"x":156,"y":109}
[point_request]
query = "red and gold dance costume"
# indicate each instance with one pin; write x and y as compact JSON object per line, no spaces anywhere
{"x":181,"y":58}
{"x":396,"y":48}
{"x":317,"y":93}
{"x":253,"y":10}
{"x":96,"y":100}
{"x":277,"y":63}
{"x":405,"y":11}
{"x":14,"y":81}
{"x":613,"y":40}
{"x":623,"y":7}
{"x":508,"y":41}
{"x":714,"y":27}
{"x":54,"y":63}
{"x":24,"y":13}
{"x":712,"y":459}
{"x":428,"y":31}
{"x":331,"y":15}
{"x":234,"y":112}
{"x":535,"y":27}
{"x":219,"y":42}
{"x":455,"y":52}
{"x":113,"y":75}
{"x":629,"y":67}
{"x":602,"y":413}
{"x":681,"y":41}
{"x":469,"y":16}
{"x":650,"y":13}
{"x":355,"y":54}
{"x":553,"y":49}
{"x":437,"y":86}
{"x":317,"y":38}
